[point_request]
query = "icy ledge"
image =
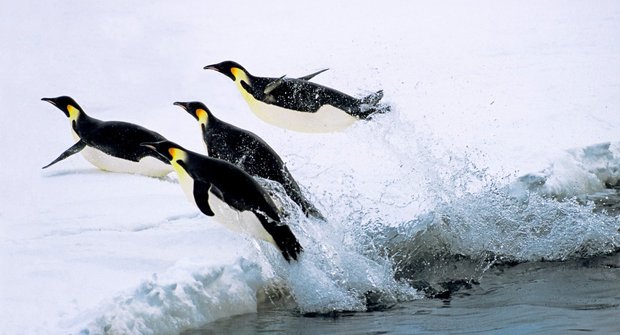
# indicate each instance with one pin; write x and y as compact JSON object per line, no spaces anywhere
{"x":187,"y":295}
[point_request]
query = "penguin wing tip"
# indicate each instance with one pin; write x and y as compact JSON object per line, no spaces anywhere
{"x":50,"y":164}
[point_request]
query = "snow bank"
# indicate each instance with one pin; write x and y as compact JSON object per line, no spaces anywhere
{"x":187,"y":295}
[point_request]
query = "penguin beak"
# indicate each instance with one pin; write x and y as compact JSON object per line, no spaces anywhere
{"x":50,"y":100}
{"x":54,"y":102}
{"x":221,"y":69}
{"x":148,"y":146}
{"x":152,"y":147}
{"x":213,"y":67}
{"x":183,"y":105}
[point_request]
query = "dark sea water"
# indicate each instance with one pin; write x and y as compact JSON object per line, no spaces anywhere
{"x":574,"y":297}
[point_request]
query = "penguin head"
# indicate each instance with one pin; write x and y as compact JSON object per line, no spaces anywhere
{"x":167,"y":150}
{"x":196,"y":109}
{"x":66,"y":104}
{"x":232,"y":70}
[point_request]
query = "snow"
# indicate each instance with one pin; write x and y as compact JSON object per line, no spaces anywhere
{"x":511,"y":85}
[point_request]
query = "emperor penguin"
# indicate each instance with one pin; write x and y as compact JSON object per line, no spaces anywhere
{"x":223,"y":191}
{"x":299,"y":104}
{"x":247,"y":151}
{"x":110,"y":145}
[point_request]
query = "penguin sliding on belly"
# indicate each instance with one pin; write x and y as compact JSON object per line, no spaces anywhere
{"x":223,"y":191}
{"x":298,"y":104}
{"x":247,"y":151}
{"x":110,"y":145}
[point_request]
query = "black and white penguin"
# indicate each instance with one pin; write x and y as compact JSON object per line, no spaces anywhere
{"x":110,"y":145}
{"x":298,"y":104}
{"x":225,"y":192}
{"x":247,"y":151}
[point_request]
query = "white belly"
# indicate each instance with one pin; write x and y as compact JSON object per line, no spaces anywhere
{"x":240,"y":222}
{"x":327,"y":119}
{"x":148,"y":166}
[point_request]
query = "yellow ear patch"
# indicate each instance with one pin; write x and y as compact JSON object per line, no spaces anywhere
{"x":202,"y":115}
{"x":235,"y":72}
{"x":177,"y":154}
{"x":173,"y":153}
{"x":239,"y":75}
{"x":73,"y":112}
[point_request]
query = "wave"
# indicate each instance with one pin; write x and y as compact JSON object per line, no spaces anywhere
{"x":567,"y":211}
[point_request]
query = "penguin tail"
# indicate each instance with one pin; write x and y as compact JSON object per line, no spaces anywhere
{"x":294,"y":192}
{"x":370,"y":105}
{"x":309,"y":209}
{"x":312,"y":211}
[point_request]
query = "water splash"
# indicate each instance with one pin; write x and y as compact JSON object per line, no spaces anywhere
{"x":404,"y":212}
{"x":441,"y":218}
{"x":331,"y":275}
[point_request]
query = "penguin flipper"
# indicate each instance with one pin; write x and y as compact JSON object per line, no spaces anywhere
{"x":273,"y":85}
{"x":73,"y":150}
{"x":201,"y":194}
{"x":312,"y":75}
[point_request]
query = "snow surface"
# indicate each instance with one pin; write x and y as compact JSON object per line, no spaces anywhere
{"x":507,"y":86}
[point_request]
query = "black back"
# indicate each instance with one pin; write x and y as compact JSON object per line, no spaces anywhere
{"x":117,"y":138}
{"x":240,"y":191}
{"x":237,"y":188}
{"x":301,"y":95}
{"x":254,"y":156}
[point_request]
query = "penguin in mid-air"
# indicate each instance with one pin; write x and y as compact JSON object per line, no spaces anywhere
{"x":299,"y":104}
{"x":110,"y":145}
{"x":225,"y":192}
{"x":247,"y":151}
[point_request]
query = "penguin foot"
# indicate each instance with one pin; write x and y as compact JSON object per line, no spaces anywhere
{"x":287,"y":243}
{"x":370,"y":105}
